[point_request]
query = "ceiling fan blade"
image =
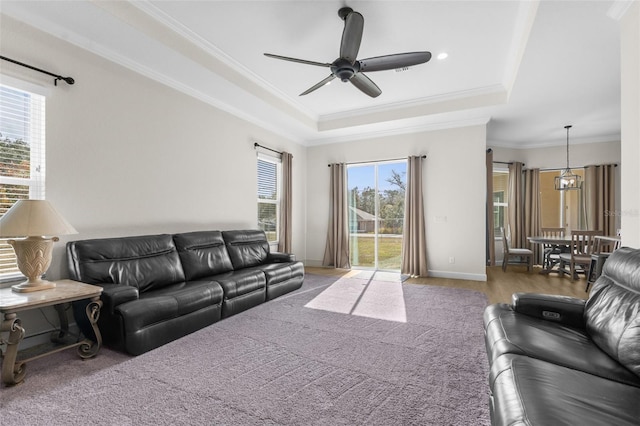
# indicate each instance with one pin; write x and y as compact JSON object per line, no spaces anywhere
{"x":365,"y":84}
{"x":351,"y":36}
{"x":318,"y":85}
{"x":302,"y":61}
{"x":391,"y":62}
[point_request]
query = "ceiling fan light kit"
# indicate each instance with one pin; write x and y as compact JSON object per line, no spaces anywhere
{"x":348,"y":69}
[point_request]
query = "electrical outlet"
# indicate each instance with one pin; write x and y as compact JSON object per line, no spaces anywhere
{"x":452,"y":259}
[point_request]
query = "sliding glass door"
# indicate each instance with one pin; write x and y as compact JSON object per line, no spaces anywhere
{"x":376,"y":214}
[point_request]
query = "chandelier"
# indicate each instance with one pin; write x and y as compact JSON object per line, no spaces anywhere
{"x":567,"y":179}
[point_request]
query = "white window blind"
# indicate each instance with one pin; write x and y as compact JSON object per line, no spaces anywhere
{"x":22,"y":154}
{"x":269,"y":177}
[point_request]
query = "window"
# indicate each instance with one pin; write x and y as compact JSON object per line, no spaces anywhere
{"x":500,"y":201}
{"x":22,"y":168}
{"x":269,"y":178}
{"x":564,"y":209}
{"x":376,"y":193}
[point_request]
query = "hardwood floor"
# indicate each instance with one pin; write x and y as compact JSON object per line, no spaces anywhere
{"x":499,"y":285}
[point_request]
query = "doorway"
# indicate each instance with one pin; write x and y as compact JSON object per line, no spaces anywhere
{"x":376,"y":194}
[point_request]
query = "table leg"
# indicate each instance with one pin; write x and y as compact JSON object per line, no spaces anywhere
{"x":88,"y":348}
{"x":59,"y":335}
{"x":12,"y":372}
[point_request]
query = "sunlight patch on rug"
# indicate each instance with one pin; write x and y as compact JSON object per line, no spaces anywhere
{"x":363,"y":297}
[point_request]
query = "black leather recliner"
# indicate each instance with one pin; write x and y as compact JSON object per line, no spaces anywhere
{"x":158,"y":288}
{"x":563,"y":361}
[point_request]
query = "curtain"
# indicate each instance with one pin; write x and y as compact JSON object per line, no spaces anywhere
{"x":516,"y":217}
{"x":336,"y":251}
{"x":491,"y":243}
{"x":532,"y":213}
{"x":284,"y":237}
{"x":599,"y":198}
{"x":414,"y":241}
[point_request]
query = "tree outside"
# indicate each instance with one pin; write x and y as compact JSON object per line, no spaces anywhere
{"x":15,"y":156}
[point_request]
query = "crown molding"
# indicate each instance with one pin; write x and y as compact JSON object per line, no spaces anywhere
{"x":210,"y":49}
{"x":619,"y":8}
{"x":402,"y":130}
{"x":527,"y":12}
{"x":185,"y":89}
{"x":553,"y":143}
{"x":413,"y":103}
{"x":99,"y":50}
{"x":189,"y":47}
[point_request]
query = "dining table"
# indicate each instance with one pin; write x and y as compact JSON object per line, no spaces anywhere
{"x":555,"y":242}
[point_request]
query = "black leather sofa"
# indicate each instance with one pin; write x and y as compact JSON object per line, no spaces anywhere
{"x":562,"y":361}
{"x":157,"y":288}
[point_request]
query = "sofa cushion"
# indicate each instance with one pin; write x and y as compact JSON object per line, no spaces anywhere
{"x":202,"y":254}
{"x":529,"y":391}
{"x":246,"y":248}
{"x":238,"y":283}
{"x":146,"y":262}
{"x":283,"y":278}
{"x":510,"y":332}
{"x":612,"y":312}
{"x":243,"y":290}
{"x":169,"y":302}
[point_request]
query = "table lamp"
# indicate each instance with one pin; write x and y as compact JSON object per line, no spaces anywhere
{"x":39,"y":223}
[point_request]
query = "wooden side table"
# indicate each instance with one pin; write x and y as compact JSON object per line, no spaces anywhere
{"x":65,"y":291}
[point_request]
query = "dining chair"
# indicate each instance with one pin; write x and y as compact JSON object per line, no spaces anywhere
{"x":525,"y":256}
{"x":604,"y":246}
{"x":579,"y":256}
{"x":551,"y":252}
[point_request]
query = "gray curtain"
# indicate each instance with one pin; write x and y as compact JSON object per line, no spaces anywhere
{"x":516,"y":207}
{"x":491,"y":243}
{"x":284,"y":237}
{"x":414,"y":241}
{"x":532,"y":213}
{"x":336,"y":253}
{"x":599,"y":198}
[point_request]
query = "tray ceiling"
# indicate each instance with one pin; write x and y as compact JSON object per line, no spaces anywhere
{"x":525,"y":67}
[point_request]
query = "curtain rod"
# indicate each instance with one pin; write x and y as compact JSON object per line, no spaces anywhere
{"x":505,"y":162}
{"x":376,"y":161}
{"x":68,"y":80}
{"x":256,"y":145}
{"x":583,"y":167}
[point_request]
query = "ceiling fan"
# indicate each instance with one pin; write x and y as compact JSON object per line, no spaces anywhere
{"x":348,"y":68}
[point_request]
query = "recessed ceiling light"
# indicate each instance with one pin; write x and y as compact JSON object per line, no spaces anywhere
{"x":443,"y":55}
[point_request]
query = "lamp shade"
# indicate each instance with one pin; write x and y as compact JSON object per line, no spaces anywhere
{"x":33,"y":218}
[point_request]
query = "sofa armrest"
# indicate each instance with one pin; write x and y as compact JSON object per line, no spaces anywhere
{"x":117,"y":294}
{"x":277,"y":257}
{"x":562,"y":309}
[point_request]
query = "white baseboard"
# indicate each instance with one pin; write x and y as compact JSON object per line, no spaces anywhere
{"x":458,"y":275}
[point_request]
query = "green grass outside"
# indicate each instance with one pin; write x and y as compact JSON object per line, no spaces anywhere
{"x":389,"y":252}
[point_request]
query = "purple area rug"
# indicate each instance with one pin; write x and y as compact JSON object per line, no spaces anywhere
{"x":339,"y":351}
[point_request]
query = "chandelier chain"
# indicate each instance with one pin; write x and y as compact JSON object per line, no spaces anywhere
{"x":567,"y":127}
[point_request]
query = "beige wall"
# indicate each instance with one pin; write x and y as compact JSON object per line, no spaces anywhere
{"x":454,"y":190}
{"x":630,"y":82}
{"x":129,"y":156}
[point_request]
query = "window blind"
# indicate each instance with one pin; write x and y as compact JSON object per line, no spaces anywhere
{"x":22,"y":155}
{"x":269,"y":196}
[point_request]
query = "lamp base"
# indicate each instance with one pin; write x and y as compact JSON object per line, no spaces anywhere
{"x":28,"y":287}
{"x":33,"y":255}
